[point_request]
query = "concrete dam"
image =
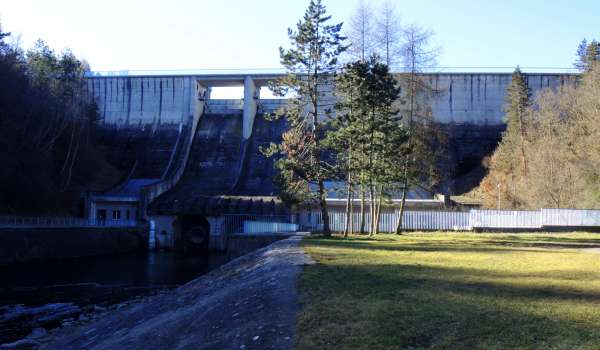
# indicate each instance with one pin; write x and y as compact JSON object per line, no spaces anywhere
{"x":190,"y":158}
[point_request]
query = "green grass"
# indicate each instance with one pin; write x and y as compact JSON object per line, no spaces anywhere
{"x":451,"y":291}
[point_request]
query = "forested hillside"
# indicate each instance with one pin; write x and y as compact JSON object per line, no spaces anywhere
{"x":48,"y":151}
{"x":550,"y":153}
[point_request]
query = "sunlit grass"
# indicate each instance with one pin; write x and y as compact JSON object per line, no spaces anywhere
{"x":452,"y":291}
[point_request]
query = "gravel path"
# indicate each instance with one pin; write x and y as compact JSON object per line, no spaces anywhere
{"x":249,"y":303}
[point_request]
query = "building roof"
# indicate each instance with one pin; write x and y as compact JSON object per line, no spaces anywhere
{"x":130,"y":188}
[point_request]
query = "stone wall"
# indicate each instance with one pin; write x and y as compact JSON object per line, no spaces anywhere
{"x":40,"y":244}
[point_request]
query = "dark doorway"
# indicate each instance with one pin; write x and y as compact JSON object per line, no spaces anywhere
{"x":196,"y":233}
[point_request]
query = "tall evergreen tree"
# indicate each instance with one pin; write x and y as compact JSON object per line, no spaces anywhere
{"x":311,"y":63}
{"x":587,"y":54}
{"x":509,"y":166}
{"x":370,"y":139}
{"x":518,"y":100}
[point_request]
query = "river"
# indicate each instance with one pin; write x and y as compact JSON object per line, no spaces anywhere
{"x":43,"y":295}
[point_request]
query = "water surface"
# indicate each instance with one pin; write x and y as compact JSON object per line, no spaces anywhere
{"x":44,"y":294}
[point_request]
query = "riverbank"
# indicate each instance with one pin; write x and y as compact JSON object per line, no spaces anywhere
{"x":248,"y":303}
{"x":48,"y":294}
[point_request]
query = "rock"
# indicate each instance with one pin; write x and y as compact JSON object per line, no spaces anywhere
{"x":21,"y":344}
{"x":256,"y":337}
{"x":37,"y":333}
{"x":99,"y":308}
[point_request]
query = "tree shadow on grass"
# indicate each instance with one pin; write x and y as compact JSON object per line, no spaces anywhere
{"x":438,"y":246}
{"x":545,"y":244}
{"x":407,"y":306}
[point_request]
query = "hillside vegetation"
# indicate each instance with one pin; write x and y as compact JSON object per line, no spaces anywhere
{"x":549,"y":156}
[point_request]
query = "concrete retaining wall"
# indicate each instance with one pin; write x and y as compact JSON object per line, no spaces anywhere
{"x":243,"y":244}
{"x":39,"y":244}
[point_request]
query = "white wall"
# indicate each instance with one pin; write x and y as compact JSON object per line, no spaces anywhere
{"x":142,"y":101}
{"x":474,"y":98}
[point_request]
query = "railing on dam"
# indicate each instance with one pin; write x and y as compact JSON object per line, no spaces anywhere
{"x":281,"y":71}
{"x":47,"y":222}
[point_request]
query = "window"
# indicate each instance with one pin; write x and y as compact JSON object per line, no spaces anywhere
{"x":127,"y":215}
{"x":101,"y":214}
{"x":116,"y":214}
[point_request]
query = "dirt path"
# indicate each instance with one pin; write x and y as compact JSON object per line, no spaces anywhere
{"x":592,"y":250}
{"x":250,"y":303}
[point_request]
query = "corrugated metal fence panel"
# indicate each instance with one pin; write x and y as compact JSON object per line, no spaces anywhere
{"x":570,"y":217}
{"x":413,"y":220}
{"x":505,"y":219}
{"x":447,"y":220}
{"x":268,"y":227}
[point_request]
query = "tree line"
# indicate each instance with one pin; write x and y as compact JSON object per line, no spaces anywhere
{"x":549,"y":156}
{"x":351,"y":120}
{"x":47,"y":129}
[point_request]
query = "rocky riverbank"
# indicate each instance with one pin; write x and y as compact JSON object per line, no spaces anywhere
{"x":249,"y":303}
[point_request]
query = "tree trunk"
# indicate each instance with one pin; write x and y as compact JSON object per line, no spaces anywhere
{"x":351,"y":226}
{"x":378,"y":208}
{"x":362,"y":209}
{"x":348,"y":205}
{"x":402,"y":202}
{"x":324,"y":211}
{"x":372,"y":209}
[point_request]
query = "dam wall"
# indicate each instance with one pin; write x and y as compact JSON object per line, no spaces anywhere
{"x":148,"y":118}
{"x":141,"y":101}
{"x":478,"y":98}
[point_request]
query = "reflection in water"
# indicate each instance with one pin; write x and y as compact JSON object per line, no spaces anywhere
{"x":78,"y":283}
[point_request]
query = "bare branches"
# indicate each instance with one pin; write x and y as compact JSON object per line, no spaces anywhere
{"x":388,"y":34}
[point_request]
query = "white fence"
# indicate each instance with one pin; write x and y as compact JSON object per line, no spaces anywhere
{"x":570,"y":217}
{"x":21,"y":221}
{"x":505,"y":219}
{"x":461,"y":221}
{"x":413,"y":220}
{"x":258,"y":224}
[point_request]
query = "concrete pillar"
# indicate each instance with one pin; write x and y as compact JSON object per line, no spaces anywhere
{"x":250,"y":103}
{"x":152,"y":236}
{"x":202,"y":95}
{"x":218,"y":239}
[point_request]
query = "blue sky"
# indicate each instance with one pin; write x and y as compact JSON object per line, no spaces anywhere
{"x":210,"y":34}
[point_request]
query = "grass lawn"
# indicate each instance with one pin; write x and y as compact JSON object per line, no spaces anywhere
{"x":451,"y":291}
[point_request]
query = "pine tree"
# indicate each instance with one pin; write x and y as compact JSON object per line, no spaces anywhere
{"x":311,"y":64}
{"x":370,"y":139}
{"x":518,"y":100}
{"x":587,"y":54}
